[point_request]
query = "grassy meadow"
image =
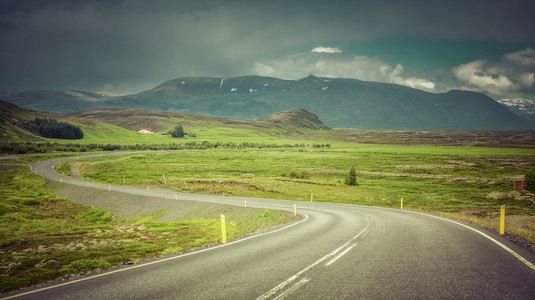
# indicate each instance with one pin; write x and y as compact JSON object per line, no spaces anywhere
{"x":466,"y":182}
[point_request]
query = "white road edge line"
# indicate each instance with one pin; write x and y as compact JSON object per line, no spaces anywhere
{"x":511,"y":251}
{"x":283,"y":284}
{"x":153,"y":262}
{"x":340,"y":255}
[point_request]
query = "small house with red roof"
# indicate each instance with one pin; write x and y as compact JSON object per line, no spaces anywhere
{"x":145,"y":130}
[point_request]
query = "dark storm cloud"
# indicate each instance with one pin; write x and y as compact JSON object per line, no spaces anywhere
{"x":133,"y":45}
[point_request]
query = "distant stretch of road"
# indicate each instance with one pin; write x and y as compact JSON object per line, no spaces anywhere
{"x":337,"y":251}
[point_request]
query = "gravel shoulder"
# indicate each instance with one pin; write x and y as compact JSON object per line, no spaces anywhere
{"x":133,"y":206}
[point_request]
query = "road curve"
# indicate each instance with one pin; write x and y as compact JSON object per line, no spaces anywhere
{"x":336,"y":251}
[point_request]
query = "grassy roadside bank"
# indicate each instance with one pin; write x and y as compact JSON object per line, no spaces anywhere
{"x":44,"y":236}
{"x":470,"y":183}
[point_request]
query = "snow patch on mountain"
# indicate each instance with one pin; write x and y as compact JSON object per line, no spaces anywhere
{"x":520,"y":106}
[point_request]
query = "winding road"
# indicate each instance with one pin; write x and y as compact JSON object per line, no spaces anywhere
{"x":337,"y":251}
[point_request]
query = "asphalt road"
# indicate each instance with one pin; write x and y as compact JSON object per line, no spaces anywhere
{"x":338,"y":251}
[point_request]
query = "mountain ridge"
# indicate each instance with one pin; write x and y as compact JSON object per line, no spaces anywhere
{"x":338,"y":102}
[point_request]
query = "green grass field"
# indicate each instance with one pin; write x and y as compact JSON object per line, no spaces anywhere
{"x":471,"y":182}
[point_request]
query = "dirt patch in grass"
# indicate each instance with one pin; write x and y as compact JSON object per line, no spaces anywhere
{"x":425,"y":167}
{"x":9,"y":166}
{"x":443,"y":178}
{"x":75,"y":171}
{"x":515,"y":195}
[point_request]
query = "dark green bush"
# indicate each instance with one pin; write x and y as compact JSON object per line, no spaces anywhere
{"x":529,"y":181}
{"x":351,"y":178}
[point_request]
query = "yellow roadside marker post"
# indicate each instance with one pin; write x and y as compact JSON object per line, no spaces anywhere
{"x":311,"y":198}
{"x":401,"y":203}
{"x":502,"y":220}
{"x":176,"y":197}
{"x":295,"y":211}
{"x":245,"y":204}
{"x":223,"y":229}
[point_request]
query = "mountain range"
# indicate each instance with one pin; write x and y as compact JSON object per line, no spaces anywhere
{"x":339,"y":103}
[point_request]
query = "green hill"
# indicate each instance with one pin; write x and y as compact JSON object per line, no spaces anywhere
{"x":299,"y":118}
{"x":285,"y":123}
{"x":118,"y":125}
{"x":10,"y":117}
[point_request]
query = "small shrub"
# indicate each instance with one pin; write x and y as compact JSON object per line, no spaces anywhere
{"x":31,"y":202}
{"x":529,"y":181}
{"x":351,"y":178}
{"x":83,"y":265}
{"x":298,"y":175}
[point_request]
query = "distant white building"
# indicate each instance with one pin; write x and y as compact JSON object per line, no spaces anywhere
{"x":145,"y":130}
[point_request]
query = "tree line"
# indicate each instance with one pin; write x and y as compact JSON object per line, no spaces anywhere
{"x":53,"y":129}
{"x":37,"y":147}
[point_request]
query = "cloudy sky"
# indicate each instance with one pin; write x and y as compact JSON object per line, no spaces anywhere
{"x":133,"y":45}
